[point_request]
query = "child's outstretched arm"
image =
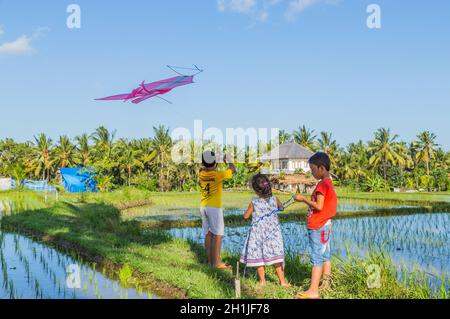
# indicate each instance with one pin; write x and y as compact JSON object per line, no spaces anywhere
{"x":317,"y":205}
{"x":279,"y":204}
{"x":230,"y":164}
{"x":248,"y":213}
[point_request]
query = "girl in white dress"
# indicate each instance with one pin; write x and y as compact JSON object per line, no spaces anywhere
{"x":264,"y":243}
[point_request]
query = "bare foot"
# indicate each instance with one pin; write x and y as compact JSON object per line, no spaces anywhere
{"x":307,"y":295}
{"x":325,"y":285}
{"x":222,"y":266}
{"x":262,"y":284}
{"x":286,"y":285}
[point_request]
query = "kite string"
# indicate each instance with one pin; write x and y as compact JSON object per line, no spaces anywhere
{"x":284,"y":205}
{"x":173,"y":68}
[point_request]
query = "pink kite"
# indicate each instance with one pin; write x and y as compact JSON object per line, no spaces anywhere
{"x":154,"y":89}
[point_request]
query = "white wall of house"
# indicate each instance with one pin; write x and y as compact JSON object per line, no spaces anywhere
{"x":290,"y":165}
{"x":5,"y":184}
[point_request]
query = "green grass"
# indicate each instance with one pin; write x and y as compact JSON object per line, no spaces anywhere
{"x":178,"y":266}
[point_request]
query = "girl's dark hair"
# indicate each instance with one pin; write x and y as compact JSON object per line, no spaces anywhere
{"x":209,"y":159}
{"x":321,"y":159}
{"x":261,"y":186}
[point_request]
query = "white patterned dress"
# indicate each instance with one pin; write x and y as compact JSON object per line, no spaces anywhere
{"x":264,"y":243}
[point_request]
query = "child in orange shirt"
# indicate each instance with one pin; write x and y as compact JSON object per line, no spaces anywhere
{"x":322,"y":208}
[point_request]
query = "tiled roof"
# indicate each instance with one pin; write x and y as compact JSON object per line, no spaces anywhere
{"x":287,"y":151}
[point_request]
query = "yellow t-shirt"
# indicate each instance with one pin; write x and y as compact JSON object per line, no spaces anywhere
{"x":211,"y":183}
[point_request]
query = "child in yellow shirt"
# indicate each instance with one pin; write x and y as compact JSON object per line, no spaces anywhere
{"x":211,"y":212}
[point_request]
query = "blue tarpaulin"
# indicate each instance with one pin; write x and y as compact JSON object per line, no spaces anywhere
{"x":38,"y":186}
{"x":78,"y":180}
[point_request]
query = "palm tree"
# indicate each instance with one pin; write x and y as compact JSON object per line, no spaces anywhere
{"x":8,"y":154}
{"x":413,"y":151}
{"x":426,"y":145}
{"x":441,"y":159}
{"x":84,"y":155}
{"x":325,"y":142}
{"x":284,"y":137}
{"x":162,"y":144}
{"x":305,"y":137}
{"x":129,"y":158}
{"x":383,"y":150}
{"x":404,"y":152}
{"x":104,"y":141}
{"x":65,"y":152}
{"x":40,"y":159}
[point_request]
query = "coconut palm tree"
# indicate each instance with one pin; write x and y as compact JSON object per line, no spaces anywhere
{"x":403,"y":151}
{"x":103,"y":141}
{"x":329,"y":146}
{"x":383,"y":150}
{"x":284,"y":137}
{"x":162,"y":144}
{"x":426,"y":145}
{"x":326,"y":142}
{"x":64,"y":152}
{"x":17,"y":171}
{"x":413,"y":151}
{"x":40,"y":160}
{"x":128,"y":158}
{"x":84,"y":154}
{"x":8,"y":151}
{"x":441,"y":159}
{"x":305,"y":137}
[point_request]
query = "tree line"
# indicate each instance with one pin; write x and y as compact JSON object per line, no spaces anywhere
{"x":381,"y":164}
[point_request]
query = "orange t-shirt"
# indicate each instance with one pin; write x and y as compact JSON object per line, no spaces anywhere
{"x":317,"y":219}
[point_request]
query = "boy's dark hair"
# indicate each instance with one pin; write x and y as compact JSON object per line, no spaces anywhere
{"x":209,"y":159}
{"x":321,"y":159}
{"x":261,"y":186}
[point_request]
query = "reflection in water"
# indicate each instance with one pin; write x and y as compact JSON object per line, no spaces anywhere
{"x":417,"y":240}
{"x":31,"y":270}
{"x":152,"y":213}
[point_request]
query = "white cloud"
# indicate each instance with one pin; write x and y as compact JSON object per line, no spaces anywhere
{"x":242,"y":6}
{"x":257,"y":9}
{"x":39,"y":32}
{"x":297,"y":6}
{"x":264,"y":16}
{"x":260,"y":9}
{"x":22,"y":45}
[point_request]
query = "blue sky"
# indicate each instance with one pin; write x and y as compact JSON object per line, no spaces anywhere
{"x":268,"y":63}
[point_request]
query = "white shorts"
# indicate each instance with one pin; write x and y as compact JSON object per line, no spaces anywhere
{"x":212,"y":220}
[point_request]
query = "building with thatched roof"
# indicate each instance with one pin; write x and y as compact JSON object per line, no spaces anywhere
{"x":286,"y":158}
{"x":300,"y":183}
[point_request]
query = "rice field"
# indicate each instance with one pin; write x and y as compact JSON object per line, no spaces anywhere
{"x":345,"y":205}
{"x":30,"y":270}
{"x":16,"y":202}
{"x":417,"y":243}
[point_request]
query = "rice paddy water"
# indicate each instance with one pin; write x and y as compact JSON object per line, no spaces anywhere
{"x":32,"y":270}
{"x":152,"y":213}
{"x":416,"y":242}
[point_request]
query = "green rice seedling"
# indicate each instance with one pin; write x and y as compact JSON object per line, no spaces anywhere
{"x":125,"y":274}
{"x":443,"y":292}
{"x":11,"y":290}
